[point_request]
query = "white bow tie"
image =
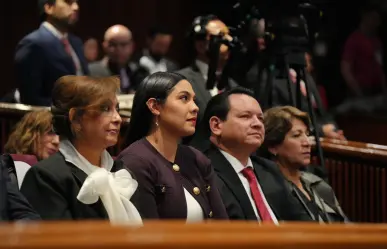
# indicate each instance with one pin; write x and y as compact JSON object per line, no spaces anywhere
{"x":115,"y":191}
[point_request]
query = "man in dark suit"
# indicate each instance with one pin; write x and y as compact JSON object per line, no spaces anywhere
{"x":118,"y":46}
{"x":13,"y":205}
{"x":49,"y":52}
{"x":197,"y":73}
{"x":252,"y":188}
{"x":154,"y":57}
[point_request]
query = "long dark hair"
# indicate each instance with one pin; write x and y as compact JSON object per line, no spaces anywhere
{"x":158,"y":86}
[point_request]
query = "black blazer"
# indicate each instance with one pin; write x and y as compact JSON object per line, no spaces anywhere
{"x":161,"y":194}
{"x":13,"y":205}
{"x":52,"y":187}
{"x":40,"y":60}
{"x":271,"y":181}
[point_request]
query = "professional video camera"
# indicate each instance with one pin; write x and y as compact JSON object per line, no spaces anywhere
{"x":289,"y":30}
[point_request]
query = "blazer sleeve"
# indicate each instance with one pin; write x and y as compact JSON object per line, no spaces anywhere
{"x":18,"y":207}
{"x":29,"y":64}
{"x":145,"y":197}
{"x":209,"y":177}
{"x":42,"y":189}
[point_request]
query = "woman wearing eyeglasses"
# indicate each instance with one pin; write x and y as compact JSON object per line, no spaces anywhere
{"x":82,"y":181}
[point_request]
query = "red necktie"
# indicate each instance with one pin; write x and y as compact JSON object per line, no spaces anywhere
{"x":67,"y":45}
{"x":263,"y":211}
{"x":67,"y":48}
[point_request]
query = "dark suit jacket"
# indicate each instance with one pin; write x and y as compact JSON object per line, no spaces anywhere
{"x":271,"y":181}
{"x":40,"y":60}
{"x":135,"y":72}
{"x":52,"y":187}
{"x":13,"y":205}
{"x":161,"y":193}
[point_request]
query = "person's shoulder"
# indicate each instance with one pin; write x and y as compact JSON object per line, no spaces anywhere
{"x":96,"y":66}
{"x":54,"y":165}
{"x":192,"y":153}
{"x":265,"y":164}
{"x":185,"y":71}
{"x":136,"y":155}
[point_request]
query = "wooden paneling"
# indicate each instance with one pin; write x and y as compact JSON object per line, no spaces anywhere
{"x":169,"y":234}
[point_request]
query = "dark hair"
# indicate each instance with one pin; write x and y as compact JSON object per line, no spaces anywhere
{"x":158,"y":85}
{"x":278,"y":122}
{"x":156,"y":30}
{"x":41,"y":11}
{"x":219,"y":106}
{"x":81,"y":93}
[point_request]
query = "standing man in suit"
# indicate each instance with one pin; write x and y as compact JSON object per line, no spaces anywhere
{"x":202,"y":28}
{"x":118,"y":46}
{"x":49,"y":52}
{"x":154,"y":57}
{"x":13,"y":205}
{"x":251,"y":188}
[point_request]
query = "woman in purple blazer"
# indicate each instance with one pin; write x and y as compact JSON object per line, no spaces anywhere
{"x":175,"y":181}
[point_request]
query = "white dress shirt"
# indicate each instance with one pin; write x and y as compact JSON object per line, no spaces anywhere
{"x":238,"y":167}
{"x":203,"y":68}
{"x":153,"y":66}
{"x":60,"y":36}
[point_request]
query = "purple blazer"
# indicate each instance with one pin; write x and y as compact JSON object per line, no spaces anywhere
{"x":160,"y":192}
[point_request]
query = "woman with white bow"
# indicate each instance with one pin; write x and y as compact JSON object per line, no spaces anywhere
{"x":82,"y":181}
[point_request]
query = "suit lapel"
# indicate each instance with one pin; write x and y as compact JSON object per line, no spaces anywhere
{"x":58,"y":49}
{"x":227,"y":173}
{"x":200,"y":84}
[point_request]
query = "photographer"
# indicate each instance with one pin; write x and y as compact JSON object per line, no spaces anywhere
{"x":197,"y":73}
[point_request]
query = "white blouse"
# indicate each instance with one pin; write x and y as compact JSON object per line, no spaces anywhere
{"x":114,"y":189}
{"x":194,"y":210}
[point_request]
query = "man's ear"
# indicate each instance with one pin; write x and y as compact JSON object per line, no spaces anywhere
{"x":153,"y":106}
{"x":48,"y":9}
{"x":216,"y":125}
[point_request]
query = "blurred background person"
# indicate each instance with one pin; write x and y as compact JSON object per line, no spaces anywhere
{"x":200,"y":31}
{"x":67,"y":185}
{"x":34,"y":135}
{"x":362,"y":60}
{"x":154,"y":58}
{"x":287,"y":144}
{"x":91,"y":50}
{"x":49,"y":52}
{"x":118,"y":46}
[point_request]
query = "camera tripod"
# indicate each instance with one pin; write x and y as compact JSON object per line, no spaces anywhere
{"x":272,"y":63}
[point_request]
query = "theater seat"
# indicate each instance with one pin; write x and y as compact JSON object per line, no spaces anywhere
{"x":22,"y":164}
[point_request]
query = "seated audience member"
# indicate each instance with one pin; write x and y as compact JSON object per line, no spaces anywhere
{"x":34,"y":135}
{"x":91,"y":49}
{"x":154,"y":56}
{"x":175,"y":181}
{"x":76,"y":182}
{"x":287,"y":144}
{"x":252,"y":188}
{"x":13,"y":205}
{"x":118,"y":46}
{"x":201,"y":30}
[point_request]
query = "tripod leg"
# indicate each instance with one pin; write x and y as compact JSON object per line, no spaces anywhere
{"x":313,"y":118}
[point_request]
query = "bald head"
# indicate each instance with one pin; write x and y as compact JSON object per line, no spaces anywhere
{"x":117,"y":30}
{"x":118,"y":44}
